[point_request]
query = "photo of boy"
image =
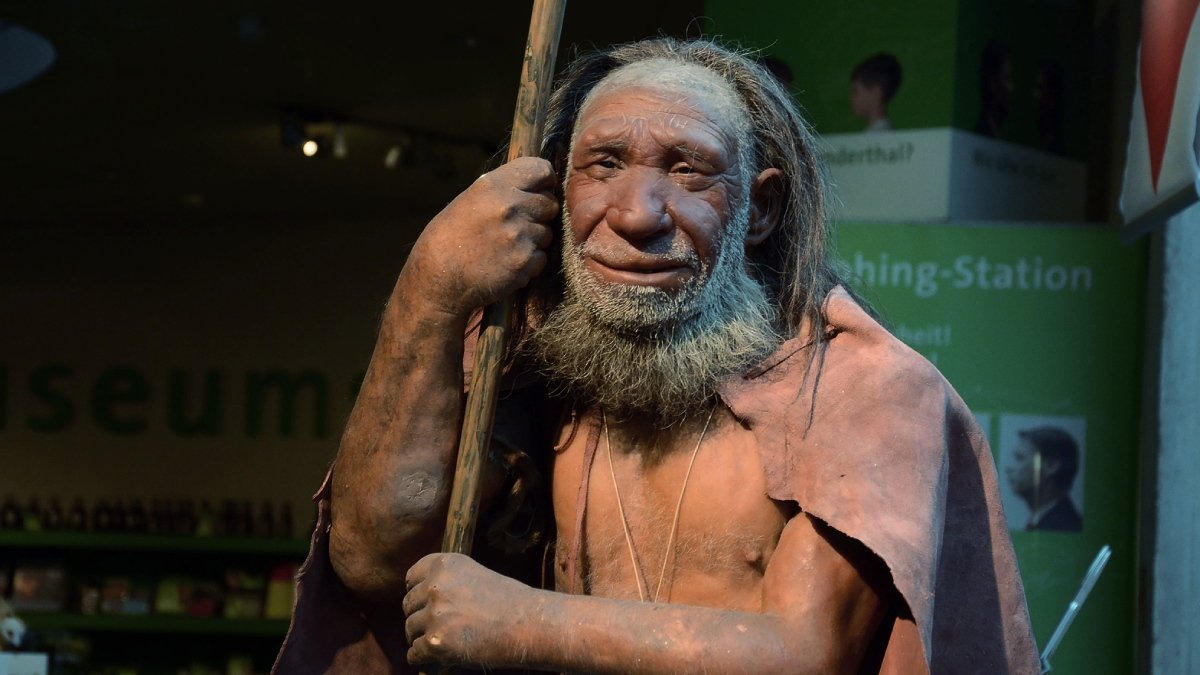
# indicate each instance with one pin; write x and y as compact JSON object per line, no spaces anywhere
{"x":873,"y":84}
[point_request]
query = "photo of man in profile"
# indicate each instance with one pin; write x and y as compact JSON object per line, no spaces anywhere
{"x":1041,"y":471}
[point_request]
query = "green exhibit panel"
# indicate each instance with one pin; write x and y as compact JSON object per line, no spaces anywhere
{"x":1039,"y":329}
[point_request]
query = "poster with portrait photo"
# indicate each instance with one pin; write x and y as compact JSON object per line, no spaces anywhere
{"x":1041,"y":470}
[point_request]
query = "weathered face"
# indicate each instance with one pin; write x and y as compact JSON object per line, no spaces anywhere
{"x":659,"y":304}
{"x":653,"y":185}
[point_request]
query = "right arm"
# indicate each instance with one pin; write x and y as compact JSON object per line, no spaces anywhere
{"x":395,"y":464}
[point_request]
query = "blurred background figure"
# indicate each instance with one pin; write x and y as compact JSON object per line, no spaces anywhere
{"x":873,"y":83}
{"x":995,"y":88}
{"x":1041,"y":472}
{"x":1049,"y":87}
{"x":12,"y":629}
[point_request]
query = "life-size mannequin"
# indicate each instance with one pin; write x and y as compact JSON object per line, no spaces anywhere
{"x":748,"y":474}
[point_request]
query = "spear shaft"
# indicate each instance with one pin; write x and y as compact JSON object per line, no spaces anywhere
{"x":545,"y":26}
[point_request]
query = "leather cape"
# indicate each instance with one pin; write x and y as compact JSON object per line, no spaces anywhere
{"x":872,"y":441}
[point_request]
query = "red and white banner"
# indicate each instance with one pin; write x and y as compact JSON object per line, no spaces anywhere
{"x":1162,"y":169}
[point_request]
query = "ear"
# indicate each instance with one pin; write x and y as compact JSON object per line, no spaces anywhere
{"x":766,"y":206}
{"x":1050,"y":467}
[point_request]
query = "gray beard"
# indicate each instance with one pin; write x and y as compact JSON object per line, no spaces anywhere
{"x":646,"y":352}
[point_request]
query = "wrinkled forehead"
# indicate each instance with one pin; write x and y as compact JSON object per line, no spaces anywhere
{"x":688,"y":80}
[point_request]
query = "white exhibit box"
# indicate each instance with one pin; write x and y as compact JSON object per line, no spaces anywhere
{"x":944,"y":174}
{"x":14,"y":663}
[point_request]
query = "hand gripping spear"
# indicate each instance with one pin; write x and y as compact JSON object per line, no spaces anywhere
{"x":545,"y":25}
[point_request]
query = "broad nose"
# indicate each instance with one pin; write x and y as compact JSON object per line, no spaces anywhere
{"x":637,"y":208}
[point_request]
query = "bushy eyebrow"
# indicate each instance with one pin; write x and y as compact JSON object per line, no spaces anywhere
{"x":691,"y":152}
{"x":608,"y":145}
{"x":617,"y":147}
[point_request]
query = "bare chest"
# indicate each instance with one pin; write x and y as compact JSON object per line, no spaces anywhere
{"x":674,"y":522}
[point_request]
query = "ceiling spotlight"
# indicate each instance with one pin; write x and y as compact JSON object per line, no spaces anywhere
{"x":310,"y":148}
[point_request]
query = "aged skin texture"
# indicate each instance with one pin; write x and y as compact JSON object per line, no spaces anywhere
{"x":792,"y":518}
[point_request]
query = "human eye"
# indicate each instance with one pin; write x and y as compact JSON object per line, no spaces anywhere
{"x":692,"y":163}
{"x":603,"y":154}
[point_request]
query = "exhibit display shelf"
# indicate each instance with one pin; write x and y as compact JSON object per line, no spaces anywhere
{"x":150,"y":542}
{"x":154,"y":623}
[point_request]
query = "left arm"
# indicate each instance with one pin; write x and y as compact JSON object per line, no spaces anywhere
{"x":823,"y":600}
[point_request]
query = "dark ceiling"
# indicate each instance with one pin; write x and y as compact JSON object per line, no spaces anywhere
{"x":165,"y":112}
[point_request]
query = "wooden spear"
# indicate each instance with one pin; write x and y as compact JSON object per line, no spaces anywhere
{"x":545,"y":25}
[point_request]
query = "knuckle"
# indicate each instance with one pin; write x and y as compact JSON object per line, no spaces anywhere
{"x":516,"y":265}
{"x":529,"y":163}
{"x":510,"y":236}
{"x":511,"y":211}
{"x":434,"y":645}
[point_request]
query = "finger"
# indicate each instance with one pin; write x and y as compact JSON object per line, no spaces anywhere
{"x":415,"y":599}
{"x":420,"y":569}
{"x":531,"y":174}
{"x":538,"y":234}
{"x":528,"y":206}
{"x":418,"y":652}
{"x":542,"y":236}
{"x":416,"y":624}
{"x":425,"y":649}
{"x":542,"y":207}
{"x":537,"y":263}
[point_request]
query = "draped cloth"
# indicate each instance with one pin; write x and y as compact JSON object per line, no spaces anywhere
{"x":889,"y":455}
{"x":872,"y":441}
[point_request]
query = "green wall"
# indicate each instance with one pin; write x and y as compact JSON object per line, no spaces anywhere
{"x":823,"y":40}
{"x":938,"y":44}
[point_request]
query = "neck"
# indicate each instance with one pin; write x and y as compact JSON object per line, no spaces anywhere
{"x":647,"y":436}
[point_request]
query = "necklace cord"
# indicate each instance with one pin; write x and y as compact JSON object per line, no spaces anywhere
{"x":643,"y":587}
